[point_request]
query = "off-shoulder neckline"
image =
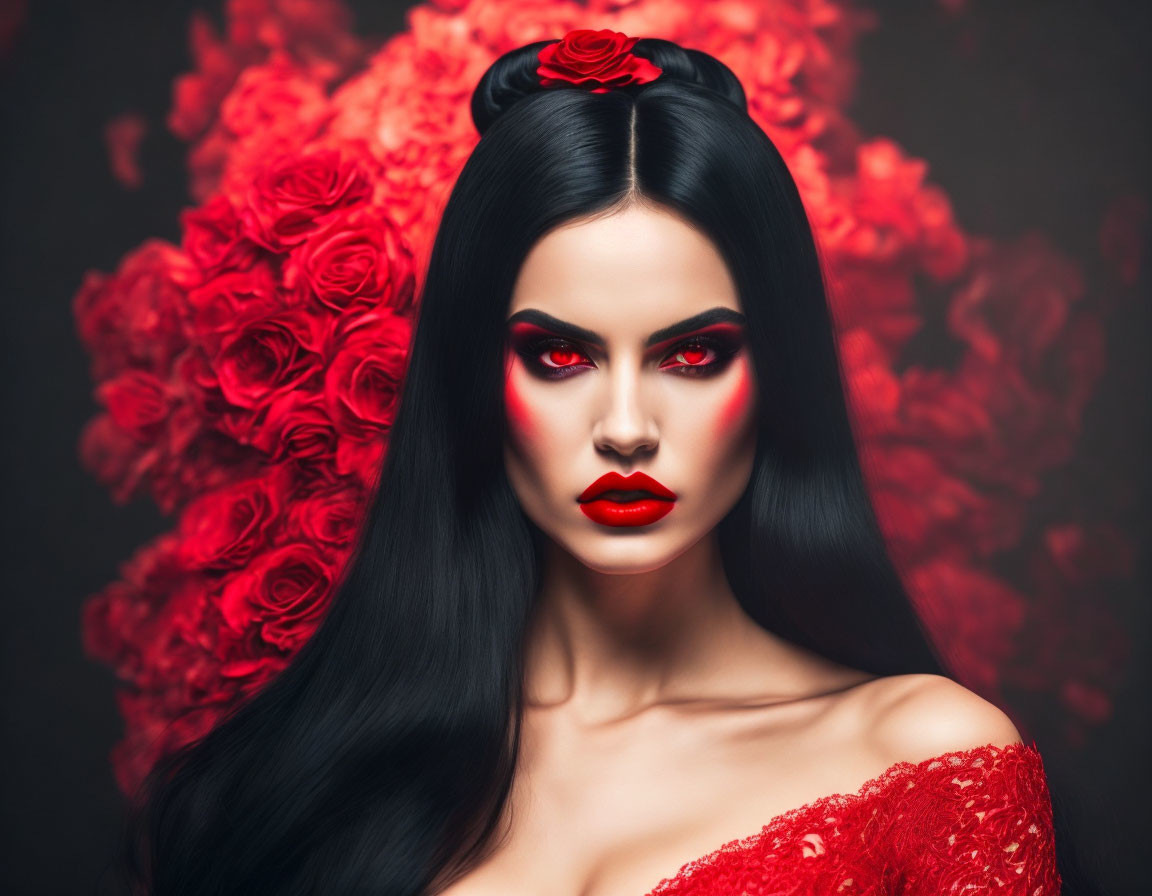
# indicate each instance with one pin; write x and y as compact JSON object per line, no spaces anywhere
{"x":870,"y":789}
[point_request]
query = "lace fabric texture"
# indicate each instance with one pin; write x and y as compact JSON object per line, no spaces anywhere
{"x":964,"y":822}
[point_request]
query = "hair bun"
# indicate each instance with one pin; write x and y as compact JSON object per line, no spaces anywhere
{"x":508,"y":79}
{"x":513,"y":76}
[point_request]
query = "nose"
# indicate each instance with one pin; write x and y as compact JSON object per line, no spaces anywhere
{"x":626,"y":425}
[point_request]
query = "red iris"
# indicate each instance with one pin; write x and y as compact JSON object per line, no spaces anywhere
{"x":699,"y":356}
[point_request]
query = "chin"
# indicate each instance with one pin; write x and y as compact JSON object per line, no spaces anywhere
{"x":632,"y":553}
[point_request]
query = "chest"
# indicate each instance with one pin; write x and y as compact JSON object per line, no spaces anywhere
{"x":838,"y":844}
{"x":622,"y":816}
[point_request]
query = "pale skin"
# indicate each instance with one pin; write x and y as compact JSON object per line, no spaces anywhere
{"x":661,"y":721}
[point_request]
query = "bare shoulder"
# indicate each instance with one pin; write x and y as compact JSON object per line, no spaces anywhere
{"x":910,"y":718}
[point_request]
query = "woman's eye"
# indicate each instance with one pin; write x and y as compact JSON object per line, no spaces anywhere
{"x":561,"y":357}
{"x":557,"y":358}
{"x":693,"y":354}
{"x":699,"y":357}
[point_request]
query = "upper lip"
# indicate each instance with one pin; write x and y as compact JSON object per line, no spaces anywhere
{"x":636,"y":481}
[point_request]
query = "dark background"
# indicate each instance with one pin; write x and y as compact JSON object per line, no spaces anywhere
{"x":1031,"y":115}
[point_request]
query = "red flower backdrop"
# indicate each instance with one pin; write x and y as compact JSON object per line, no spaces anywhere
{"x":248,"y":376}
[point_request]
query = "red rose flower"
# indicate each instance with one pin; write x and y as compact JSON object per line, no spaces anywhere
{"x":247,"y":662}
{"x":268,"y":356}
{"x":131,"y":318}
{"x":283,"y":594}
{"x":288,"y":200}
{"x":214,"y":237}
{"x":230,"y":297}
{"x":114,"y":457}
{"x":274,"y":100}
{"x":225,"y":528}
{"x":362,"y":383}
{"x":329,"y":517}
{"x":356,"y":261}
{"x":296,"y":426}
{"x":584,"y":57}
{"x":137,"y":400}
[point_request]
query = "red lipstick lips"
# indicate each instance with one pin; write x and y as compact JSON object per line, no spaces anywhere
{"x":635,"y":500}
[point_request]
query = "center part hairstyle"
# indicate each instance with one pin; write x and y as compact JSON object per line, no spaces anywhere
{"x":380,"y":760}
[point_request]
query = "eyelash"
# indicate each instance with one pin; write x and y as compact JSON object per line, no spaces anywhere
{"x":723,"y":350}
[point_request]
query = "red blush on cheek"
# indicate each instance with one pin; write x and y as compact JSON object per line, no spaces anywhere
{"x":515,"y":407}
{"x":734,"y":409}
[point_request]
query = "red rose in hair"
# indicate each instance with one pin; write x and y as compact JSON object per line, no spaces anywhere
{"x":603,"y":58}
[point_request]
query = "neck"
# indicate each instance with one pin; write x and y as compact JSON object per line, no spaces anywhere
{"x":607,"y":646}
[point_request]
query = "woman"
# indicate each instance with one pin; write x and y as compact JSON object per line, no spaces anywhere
{"x":620,"y":598}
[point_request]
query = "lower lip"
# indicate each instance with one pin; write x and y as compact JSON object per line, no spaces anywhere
{"x":626,"y":513}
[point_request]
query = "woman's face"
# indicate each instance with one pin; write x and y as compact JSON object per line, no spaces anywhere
{"x":626,"y":355}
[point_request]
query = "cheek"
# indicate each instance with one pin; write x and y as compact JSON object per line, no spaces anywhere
{"x":540,"y":442}
{"x":521,"y":419}
{"x":715,"y":431}
{"x":734,"y":410}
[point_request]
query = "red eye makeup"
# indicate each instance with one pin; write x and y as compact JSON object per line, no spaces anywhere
{"x":700,"y":346}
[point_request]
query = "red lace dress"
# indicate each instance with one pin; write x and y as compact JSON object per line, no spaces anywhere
{"x":966,"y":822}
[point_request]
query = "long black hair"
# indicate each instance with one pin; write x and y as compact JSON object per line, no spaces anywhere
{"x":380,"y":759}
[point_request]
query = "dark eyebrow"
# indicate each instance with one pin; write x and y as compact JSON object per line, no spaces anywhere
{"x":715,"y":315}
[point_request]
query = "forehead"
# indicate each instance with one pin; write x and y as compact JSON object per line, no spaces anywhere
{"x":626,"y":274}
